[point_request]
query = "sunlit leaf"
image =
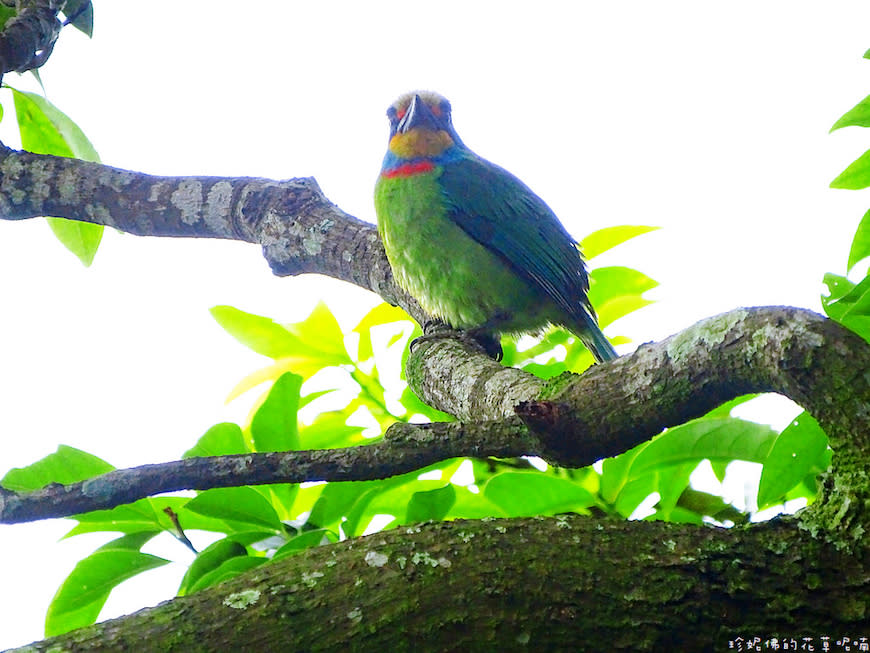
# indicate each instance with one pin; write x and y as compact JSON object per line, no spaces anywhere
{"x":303,"y":347}
{"x":222,"y":439}
{"x":146,"y":515}
{"x":714,"y":439}
{"x":208,"y":560}
{"x":66,"y":465}
{"x":849,"y":303}
{"x":525,"y":494}
{"x":330,"y":431}
{"x":84,"y":592}
{"x":859,"y":116}
{"x":799,"y":450}
{"x":239,"y":504}
{"x":307,"y":540}
{"x":725,"y":409}
{"x":860,"y":243}
{"x":335,"y":501}
{"x":671,"y":483}
{"x":262,"y":334}
{"x":856,"y":175}
{"x":45,"y":129}
{"x":228,"y":569}
{"x":274,"y":426}
{"x":602,"y":240}
{"x":381,"y":314}
{"x":617,"y":291}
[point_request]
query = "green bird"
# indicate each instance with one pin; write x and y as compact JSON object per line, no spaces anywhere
{"x":471,"y":242}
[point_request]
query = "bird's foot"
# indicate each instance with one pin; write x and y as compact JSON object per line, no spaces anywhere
{"x":488,"y":343}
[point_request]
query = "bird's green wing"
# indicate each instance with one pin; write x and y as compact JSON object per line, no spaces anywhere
{"x":505,"y":216}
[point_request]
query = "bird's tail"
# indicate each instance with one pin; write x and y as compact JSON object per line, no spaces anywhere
{"x":596,"y":342}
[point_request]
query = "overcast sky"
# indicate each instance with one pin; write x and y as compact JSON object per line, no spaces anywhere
{"x":707,"y":119}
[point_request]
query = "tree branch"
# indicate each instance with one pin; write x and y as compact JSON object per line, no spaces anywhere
{"x":299,"y":229}
{"x":408,"y":447}
{"x":516,"y":584}
{"x":779,"y":349}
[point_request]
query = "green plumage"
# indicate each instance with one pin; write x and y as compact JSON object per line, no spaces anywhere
{"x":470,"y":241}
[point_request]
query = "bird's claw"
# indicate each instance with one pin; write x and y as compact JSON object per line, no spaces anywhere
{"x":478,"y":339}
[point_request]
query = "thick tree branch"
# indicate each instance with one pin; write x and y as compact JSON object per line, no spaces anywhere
{"x":521,"y":584}
{"x":299,"y":229}
{"x":610,"y":408}
{"x":660,"y":385}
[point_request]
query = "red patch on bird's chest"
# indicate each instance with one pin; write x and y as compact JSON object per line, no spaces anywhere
{"x":409,"y":169}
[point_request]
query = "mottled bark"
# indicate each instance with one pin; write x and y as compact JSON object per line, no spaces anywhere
{"x":565,"y":584}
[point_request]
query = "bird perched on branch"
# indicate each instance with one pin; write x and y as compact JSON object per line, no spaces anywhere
{"x":471,"y":242}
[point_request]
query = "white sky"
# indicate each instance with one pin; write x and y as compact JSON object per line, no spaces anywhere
{"x":708,"y":119}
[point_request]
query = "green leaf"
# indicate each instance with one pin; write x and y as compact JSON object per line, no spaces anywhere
{"x":307,"y":540}
{"x":860,"y":243}
{"x":321,"y":334}
{"x":238,"y":504}
{"x":430,"y":504}
{"x":867,"y":54}
{"x":45,"y":129}
{"x":145,"y":515}
{"x":226,"y":570}
{"x":381,"y":314}
{"x":714,"y":439}
{"x":849,"y":303}
{"x":617,"y":291}
{"x":5,"y":14}
{"x":856,"y":176}
{"x":208,"y":560}
{"x":336,"y":500}
{"x":725,"y":409}
{"x":671,"y":483}
{"x":704,"y":504}
{"x":799,"y":450}
{"x":262,"y":334}
{"x":305,"y":347}
{"x":274,"y":426}
{"x":81,"y":238}
{"x":82,"y":12}
{"x":330,"y":431}
{"x":82,"y":595}
{"x":858,"y":116}
{"x":66,"y":465}
{"x":222,"y":439}
{"x":838,"y":288}
{"x":526,"y":494}
{"x":602,"y":240}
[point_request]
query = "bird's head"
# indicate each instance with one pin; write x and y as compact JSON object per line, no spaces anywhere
{"x":420,"y":126}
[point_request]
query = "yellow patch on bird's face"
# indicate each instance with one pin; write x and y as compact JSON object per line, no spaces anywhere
{"x":418,"y":142}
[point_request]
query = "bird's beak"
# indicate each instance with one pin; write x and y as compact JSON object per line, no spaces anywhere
{"x":418,"y":115}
